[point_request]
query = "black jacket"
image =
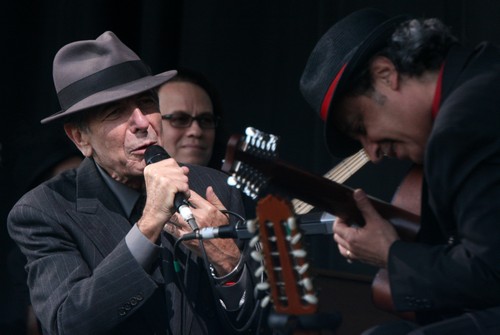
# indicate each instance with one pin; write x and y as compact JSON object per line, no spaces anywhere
{"x":457,"y":266}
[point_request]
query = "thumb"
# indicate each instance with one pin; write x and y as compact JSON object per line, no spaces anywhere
{"x":213,"y":198}
{"x":364,"y":204}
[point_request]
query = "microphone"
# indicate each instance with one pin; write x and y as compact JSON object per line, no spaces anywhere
{"x":154,"y":154}
{"x":315,"y":223}
{"x":226,"y":231}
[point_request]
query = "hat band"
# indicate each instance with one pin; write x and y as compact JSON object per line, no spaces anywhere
{"x":110,"y":77}
{"x":329,"y":94}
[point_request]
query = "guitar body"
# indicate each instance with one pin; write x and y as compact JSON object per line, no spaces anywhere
{"x":409,"y":193}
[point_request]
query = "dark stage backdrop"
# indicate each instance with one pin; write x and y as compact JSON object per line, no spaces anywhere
{"x":253,"y":51}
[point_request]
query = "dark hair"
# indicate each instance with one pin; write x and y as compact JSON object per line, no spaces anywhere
{"x":197,"y":78}
{"x":416,"y":46}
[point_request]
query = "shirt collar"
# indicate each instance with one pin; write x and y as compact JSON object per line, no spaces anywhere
{"x":437,"y":95}
{"x":127,"y":197}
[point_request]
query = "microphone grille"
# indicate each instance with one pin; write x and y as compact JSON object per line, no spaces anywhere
{"x":154,"y":154}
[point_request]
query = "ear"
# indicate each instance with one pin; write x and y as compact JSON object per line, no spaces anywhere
{"x":384,"y":72}
{"x":80,"y":138}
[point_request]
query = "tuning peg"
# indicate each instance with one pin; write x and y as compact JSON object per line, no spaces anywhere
{"x":302,"y":269}
{"x":299,"y":253}
{"x":262,"y":286}
{"x":252,"y":226}
{"x":310,"y":298}
{"x":251,"y":131}
{"x":231,"y":181}
{"x":307,"y":283}
{"x":256,"y":255}
{"x":273,"y":142}
{"x":254,"y":241}
{"x":259,"y":271}
{"x":265,"y":301}
{"x":296,"y":238}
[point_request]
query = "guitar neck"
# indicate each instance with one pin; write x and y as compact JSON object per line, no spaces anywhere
{"x":340,"y":173}
{"x":325,"y":194}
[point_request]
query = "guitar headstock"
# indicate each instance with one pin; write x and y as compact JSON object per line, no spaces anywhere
{"x":254,"y":145}
{"x":284,"y":258}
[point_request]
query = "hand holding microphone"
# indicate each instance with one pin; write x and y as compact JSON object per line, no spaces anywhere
{"x":154,"y":154}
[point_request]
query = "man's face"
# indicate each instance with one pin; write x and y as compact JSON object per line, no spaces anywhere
{"x":118,"y":134}
{"x":191,"y":144}
{"x":386,"y":124}
{"x":394,"y":119}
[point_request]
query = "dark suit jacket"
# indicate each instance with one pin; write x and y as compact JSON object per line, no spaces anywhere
{"x":83,"y":278}
{"x":457,"y":267}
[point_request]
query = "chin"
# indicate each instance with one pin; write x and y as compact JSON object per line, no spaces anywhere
{"x":193,"y":159}
{"x":137,"y":168}
{"x":199,"y":162}
{"x":417,"y":159}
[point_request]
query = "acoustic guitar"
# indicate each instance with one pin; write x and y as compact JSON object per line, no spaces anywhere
{"x":252,"y":162}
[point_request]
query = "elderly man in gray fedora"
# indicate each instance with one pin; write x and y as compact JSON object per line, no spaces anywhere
{"x":100,"y":239}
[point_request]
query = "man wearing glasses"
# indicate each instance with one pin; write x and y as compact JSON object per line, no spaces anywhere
{"x":188,"y":106}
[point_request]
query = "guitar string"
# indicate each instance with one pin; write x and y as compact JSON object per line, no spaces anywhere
{"x":342,"y":176}
{"x":346,"y":169}
{"x":340,"y":173}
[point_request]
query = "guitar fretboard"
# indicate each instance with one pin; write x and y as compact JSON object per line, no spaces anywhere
{"x":340,"y":173}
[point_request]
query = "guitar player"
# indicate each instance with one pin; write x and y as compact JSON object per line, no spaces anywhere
{"x":406,"y":88}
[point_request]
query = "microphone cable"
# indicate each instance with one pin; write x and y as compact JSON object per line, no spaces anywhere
{"x":220,"y":311}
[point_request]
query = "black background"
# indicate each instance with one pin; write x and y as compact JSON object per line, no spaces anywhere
{"x":253,"y":51}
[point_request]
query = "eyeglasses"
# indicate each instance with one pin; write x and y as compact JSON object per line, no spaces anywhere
{"x":184,"y":120}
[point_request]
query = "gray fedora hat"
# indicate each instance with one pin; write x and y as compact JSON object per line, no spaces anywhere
{"x":94,"y":72}
{"x":336,"y":60}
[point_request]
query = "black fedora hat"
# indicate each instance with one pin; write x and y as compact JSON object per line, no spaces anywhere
{"x":94,"y":72}
{"x":336,"y":60}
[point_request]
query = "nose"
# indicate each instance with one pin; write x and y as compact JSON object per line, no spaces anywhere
{"x":372,"y":149}
{"x":194,"y":129}
{"x":138,"y":120}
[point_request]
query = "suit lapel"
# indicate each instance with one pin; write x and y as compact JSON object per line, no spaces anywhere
{"x":454,"y":66}
{"x":98,"y":212}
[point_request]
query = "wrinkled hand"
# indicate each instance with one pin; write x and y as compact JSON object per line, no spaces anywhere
{"x":369,"y":244}
{"x":163,"y":180}
{"x":223,"y":254}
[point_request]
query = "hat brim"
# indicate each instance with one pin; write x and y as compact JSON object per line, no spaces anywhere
{"x":339,"y":144}
{"x":114,"y":93}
